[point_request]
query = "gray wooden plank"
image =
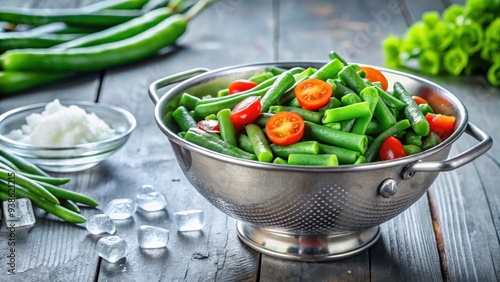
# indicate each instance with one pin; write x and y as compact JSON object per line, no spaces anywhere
{"x":215,"y":253}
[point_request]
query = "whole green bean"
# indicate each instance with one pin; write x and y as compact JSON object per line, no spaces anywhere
{"x":20,"y":41}
{"x":348,"y":112}
{"x":47,"y":179}
{"x":412,"y":112}
{"x":66,"y":194}
{"x":226,"y":127}
{"x":33,"y":186}
{"x":70,"y":205}
{"x":22,"y":164}
{"x":6,"y":164}
{"x":279,"y":87}
{"x":304,"y":147}
{"x":355,"y":142}
{"x":183,"y":118}
{"x":344,"y":156}
{"x":259,"y":143}
{"x":313,"y":160}
{"x":372,"y":151}
{"x":206,"y":140}
{"x":312,"y":116}
{"x":5,"y":197}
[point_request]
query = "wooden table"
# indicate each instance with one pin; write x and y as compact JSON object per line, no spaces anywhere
{"x":452,"y":233}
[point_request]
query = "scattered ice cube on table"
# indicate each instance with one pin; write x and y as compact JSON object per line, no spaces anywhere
{"x":111,"y":248}
{"x":190,"y":220}
{"x":146,"y":188}
{"x":152,"y":237}
{"x":100,"y":224}
{"x":150,"y":200}
{"x":120,"y":208}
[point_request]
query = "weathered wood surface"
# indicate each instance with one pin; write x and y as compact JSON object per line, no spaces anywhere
{"x":463,"y":205}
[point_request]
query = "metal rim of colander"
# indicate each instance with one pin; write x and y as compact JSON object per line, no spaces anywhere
{"x":400,"y":162}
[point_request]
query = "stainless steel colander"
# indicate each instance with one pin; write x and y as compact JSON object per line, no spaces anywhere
{"x":310,"y":213}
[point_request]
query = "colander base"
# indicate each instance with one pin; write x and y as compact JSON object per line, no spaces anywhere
{"x":313,"y":248}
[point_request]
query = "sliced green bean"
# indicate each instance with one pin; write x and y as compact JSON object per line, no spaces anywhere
{"x":244,"y":143}
{"x":355,"y":142}
{"x":335,"y":55}
{"x":214,"y":105}
{"x":389,"y":100}
{"x":361,"y":160}
{"x":329,"y":70}
{"x":313,"y":160}
{"x":332,"y":104}
{"x":304,"y":147}
{"x":344,"y":156}
{"x":431,"y":140}
{"x":261,"y":77}
{"x":279,"y":160}
{"x":383,"y":114}
{"x":351,"y":98}
{"x":22,"y":164}
{"x":279,"y":87}
{"x":183,"y":118}
{"x":352,"y":79}
{"x":347,"y":125}
{"x":411,"y":138}
{"x":262,"y":119}
{"x":312,"y":116}
{"x":188,"y":101}
{"x":372,"y":151}
{"x":294,"y":103}
{"x":341,"y":90}
{"x":412,"y":111}
{"x":348,"y":112}
{"x":206,"y":140}
{"x":33,"y":186}
{"x":259,"y":143}
{"x":412,"y":149}
{"x":425,"y":109}
{"x":226,"y":127}
{"x":369,"y":95}
{"x":374,"y":127}
{"x":334,"y":125}
{"x":223,"y":92}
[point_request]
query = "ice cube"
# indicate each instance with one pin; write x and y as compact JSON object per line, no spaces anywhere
{"x":146,"y":188}
{"x":189,"y":220}
{"x":100,"y":224}
{"x":111,"y":248}
{"x":152,"y":201}
{"x":152,"y":237}
{"x":120,"y":208}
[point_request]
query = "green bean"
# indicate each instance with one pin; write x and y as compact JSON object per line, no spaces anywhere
{"x":383,"y":114}
{"x":374,"y":127}
{"x":22,"y":164}
{"x":313,"y":160}
{"x":262,"y":119}
{"x":332,"y":104}
{"x":362,"y":74}
{"x":223,"y":92}
{"x":352,"y":79}
{"x":329,"y":70}
{"x":47,"y":179}
{"x":431,"y":140}
{"x":334,"y":125}
{"x":312,"y":116}
{"x":372,"y":151}
{"x":351,"y":98}
{"x":188,"y":101}
{"x":259,"y":143}
{"x":181,"y":134}
{"x":183,"y":118}
{"x":32,"y":186}
{"x":279,"y":87}
{"x":344,"y":156}
{"x":341,"y":90}
{"x":211,"y":117}
{"x":70,"y":205}
{"x":389,"y":100}
{"x":206,"y":140}
{"x":412,"y":149}
{"x":6,"y":164}
{"x":369,"y":95}
{"x":276,"y":70}
{"x":361,"y":160}
{"x":261,"y":77}
{"x":10,"y":41}
{"x":335,"y":55}
{"x":214,"y":105}
{"x":244,"y":143}
{"x":55,"y":209}
{"x":289,"y":95}
{"x":4,"y":196}
{"x":355,"y":142}
{"x":226,"y":127}
{"x":294,"y":103}
{"x":412,"y":111}
{"x":353,"y":111}
{"x":425,"y":109}
{"x":347,"y":125}
{"x":304,"y":147}
{"x":66,"y":194}
{"x":276,"y":160}
{"x":411,"y":138}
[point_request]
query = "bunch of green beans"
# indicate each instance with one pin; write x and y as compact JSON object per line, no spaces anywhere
{"x":349,"y":130}
{"x":95,"y":38}
{"x":22,"y":179}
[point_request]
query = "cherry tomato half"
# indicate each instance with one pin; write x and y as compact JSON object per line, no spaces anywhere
{"x":375,"y":75}
{"x":246,"y":111}
{"x":313,"y":93}
{"x":442,"y":125}
{"x":209,"y":125}
{"x":391,"y":149}
{"x":241,"y":85}
{"x":285,"y":128}
{"x":419,"y":100}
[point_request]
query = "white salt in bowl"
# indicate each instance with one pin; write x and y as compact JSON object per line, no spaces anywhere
{"x":71,"y":158}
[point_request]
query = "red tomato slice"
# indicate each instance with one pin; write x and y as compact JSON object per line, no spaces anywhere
{"x":313,"y":93}
{"x":419,"y":100}
{"x":285,"y":128}
{"x":246,"y":111}
{"x":241,"y":85}
{"x":391,"y":149}
{"x":375,"y":75}
{"x":442,"y":125}
{"x":209,"y":126}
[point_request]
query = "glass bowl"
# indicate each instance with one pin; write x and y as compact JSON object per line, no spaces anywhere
{"x":73,"y":158}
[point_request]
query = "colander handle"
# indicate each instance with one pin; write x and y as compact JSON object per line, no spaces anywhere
{"x":174,"y":78}
{"x":485,"y":143}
